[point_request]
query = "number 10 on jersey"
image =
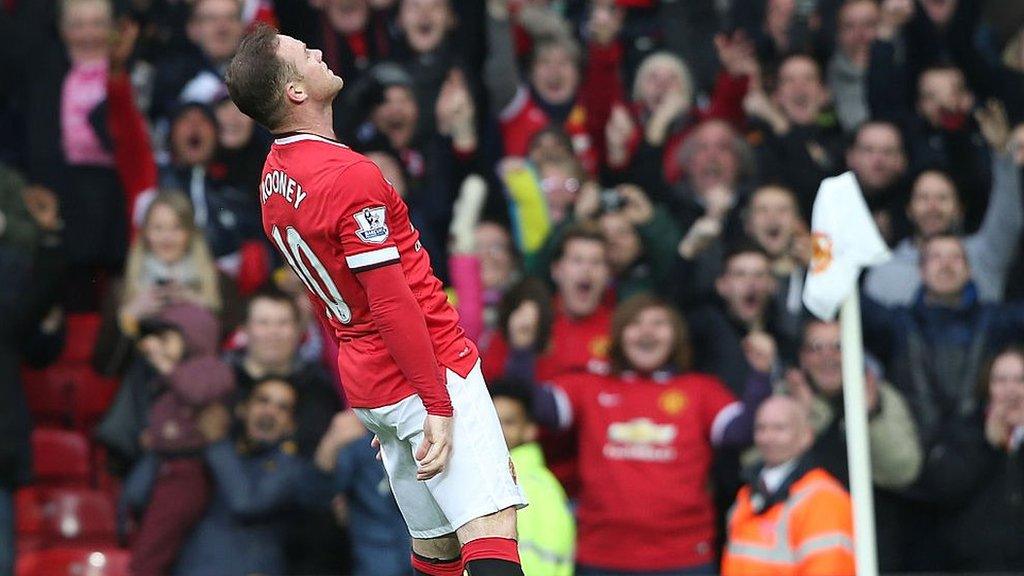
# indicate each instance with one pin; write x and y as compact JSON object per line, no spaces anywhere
{"x":294,"y":248}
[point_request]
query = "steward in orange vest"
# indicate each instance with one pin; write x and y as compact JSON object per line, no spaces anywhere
{"x":793,"y":519}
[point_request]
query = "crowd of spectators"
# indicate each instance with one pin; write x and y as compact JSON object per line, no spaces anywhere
{"x":617,"y":195}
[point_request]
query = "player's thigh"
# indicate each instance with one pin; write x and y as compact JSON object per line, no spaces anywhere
{"x":444,"y":547}
{"x":422,"y":515}
{"x":478,"y":480}
{"x":501,"y":524}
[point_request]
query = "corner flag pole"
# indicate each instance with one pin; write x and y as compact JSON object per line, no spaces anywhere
{"x":857,"y":437}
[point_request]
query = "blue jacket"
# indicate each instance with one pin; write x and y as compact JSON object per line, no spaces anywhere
{"x":380,"y":539}
{"x":934,"y":355}
{"x":244,"y":529}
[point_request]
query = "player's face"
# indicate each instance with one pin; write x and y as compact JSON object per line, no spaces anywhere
{"x":821,"y":356}
{"x":166,"y":236}
{"x":494,"y":250}
{"x":934,"y":207}
{"x":425,"y":23}
{"x":582,"y":276}
{"x":647,"y":340}
{"x":877,"y":157}
{"x":316,"y":80}
{"x":86,"y":29}
{"x":515,"y":424}
{"x":269,"y":413}
{"x":773,"y":220}
{"x":800,"y":93}
{"x":746,"y":286}
{"x":780,"y":434}
{"x":623,"y":241}
{"x":193,"y":138}
{"x":1006,"y":387}
{"x":944,"y":268}
{"x":273,"y":333}
{"x":554,"y":75}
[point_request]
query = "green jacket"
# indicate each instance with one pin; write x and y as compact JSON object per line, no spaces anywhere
{"x":547,"y":530}
{"x":655,"y":270}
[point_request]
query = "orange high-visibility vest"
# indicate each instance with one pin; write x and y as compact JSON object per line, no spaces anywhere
{"x":810,"y":534}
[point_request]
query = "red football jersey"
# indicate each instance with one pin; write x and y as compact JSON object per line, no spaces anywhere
{"x":332,"y":214}
{"x":645,"y":451}
{"x":523,"y":118}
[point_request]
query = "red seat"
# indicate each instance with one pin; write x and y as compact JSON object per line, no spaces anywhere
{"x":51,"y":516}
{"x":81,"y":331}
{"x":68,"y":393}
{"x":60,"y":457}
{"x":74,"y":561}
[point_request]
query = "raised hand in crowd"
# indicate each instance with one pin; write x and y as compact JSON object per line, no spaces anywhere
{"x":523,"y":325}
{"x":456,"y":113}
{"x":605,"y":21}
{"x":994,"y":124}
{"x":122,"y":44}
{"x":42,"y":204}
{"x":636,"y":207}
{"x":617,"y":133}
{"x":214,"y":422}
{"x":736,"y":53}
{"x":895,"y":15}
{"x":757,"y":104}
{"x":760,"y":351}
{"x":778,"y":22}
{"x":672,"y":106}
{"x":345,"y":429}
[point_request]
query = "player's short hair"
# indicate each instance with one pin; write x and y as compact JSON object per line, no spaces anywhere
{"x":586,"y":232}
{"x":515,"y":390}
{"x":273,"y":294}
{"x":256,"y":77}
{"x":628,"y":311}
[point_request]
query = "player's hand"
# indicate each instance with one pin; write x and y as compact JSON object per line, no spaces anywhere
{"x":375,"y":444}
{"x":436,"y":448}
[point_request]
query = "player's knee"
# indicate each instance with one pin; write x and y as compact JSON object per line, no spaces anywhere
{"x":441,"y":548}
{"x":501,"y":524}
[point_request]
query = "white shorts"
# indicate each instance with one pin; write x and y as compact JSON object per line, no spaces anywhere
{"x":478,"y":478}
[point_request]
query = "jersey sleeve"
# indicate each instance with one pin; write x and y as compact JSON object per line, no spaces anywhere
{"x":367,"y":217}
{"x":718,"y":406}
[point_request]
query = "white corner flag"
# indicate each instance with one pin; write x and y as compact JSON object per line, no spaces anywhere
{"x":845,"y":240}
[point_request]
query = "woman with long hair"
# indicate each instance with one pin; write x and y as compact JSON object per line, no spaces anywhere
{"x":647,"y":431}
{"x":168,"y":262}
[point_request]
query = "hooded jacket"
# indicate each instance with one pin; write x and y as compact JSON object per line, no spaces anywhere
{"x":198,"y":380}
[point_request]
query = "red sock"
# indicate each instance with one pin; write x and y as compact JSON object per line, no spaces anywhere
{"x":430,"y":567}
{"x":491,"y":549}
